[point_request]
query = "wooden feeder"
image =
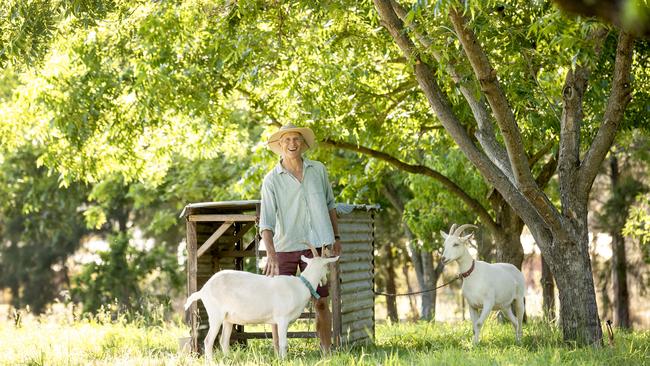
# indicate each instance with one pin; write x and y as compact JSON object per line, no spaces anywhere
{"x":222,"y":235}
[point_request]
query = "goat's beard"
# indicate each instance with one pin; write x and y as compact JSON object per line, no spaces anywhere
{"x":323,"y":280}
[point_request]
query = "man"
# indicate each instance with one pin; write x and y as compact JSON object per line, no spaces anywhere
{"x":298,"y":208}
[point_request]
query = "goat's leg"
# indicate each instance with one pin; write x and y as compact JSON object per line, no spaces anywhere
{"x":208,"y":342}
{"x":508,"y":313}
{"x":473,"y":314}
{"x":283,"y":327}
{"x":487,"y":308}
{"x":274,"y":332}
{"x":226,"y":330}
{"x":519,"y":312}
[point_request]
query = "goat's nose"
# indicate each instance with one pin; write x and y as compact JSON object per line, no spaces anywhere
{"x":443,"y":259}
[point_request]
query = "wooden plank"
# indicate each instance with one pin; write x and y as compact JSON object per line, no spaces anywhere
{"x":204,"y":273}
{"x":255,"y":243}
{"x":208,"y":243}
{"x":268,"y":335}
{"x":236,"y":253}
{"x":229,"y":238}
{"x":222,"y":218}
{"x":191,"y":281}
{"x":335,"y":294}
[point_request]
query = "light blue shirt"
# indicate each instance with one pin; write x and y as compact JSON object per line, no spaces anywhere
{"x":297,"y":212}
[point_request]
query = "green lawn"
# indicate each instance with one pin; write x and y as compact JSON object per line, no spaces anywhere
{"x":50,"y":341}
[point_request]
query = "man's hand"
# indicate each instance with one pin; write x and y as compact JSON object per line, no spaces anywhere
{"x":336,"y":249}
{"x":272,"y":267}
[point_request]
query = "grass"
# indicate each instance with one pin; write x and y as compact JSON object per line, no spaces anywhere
{"x":100,"y":341}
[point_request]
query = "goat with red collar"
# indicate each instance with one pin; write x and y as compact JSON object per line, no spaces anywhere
{"x":486,"y":286}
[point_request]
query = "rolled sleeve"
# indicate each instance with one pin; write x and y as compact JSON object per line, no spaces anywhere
{"x":268,"y":207}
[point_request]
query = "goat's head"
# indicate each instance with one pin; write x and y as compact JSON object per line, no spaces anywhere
{"x":455,"y":243}
{"x":319,"y":266}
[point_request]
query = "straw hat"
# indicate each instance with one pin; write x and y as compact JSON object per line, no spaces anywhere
{"x":306,"y":132}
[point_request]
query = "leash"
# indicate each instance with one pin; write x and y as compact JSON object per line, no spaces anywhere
{"x":419,"y":292}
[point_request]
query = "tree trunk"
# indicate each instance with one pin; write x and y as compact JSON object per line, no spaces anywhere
{"x":605,"y":301}
{"x":571,"y":267}
{"x":437,"y":271}
{"x":548,"y":291}
{"x":428,"y":298}
{"x":619,"y":282}
{"x":423,"y":265}
{"x":485,"y":244}
{"x":391,"y":288}
{"x":508,"y":244}
{"x":619,"y":261}
{"x":422,"y":261}
{"x":414,"y":307}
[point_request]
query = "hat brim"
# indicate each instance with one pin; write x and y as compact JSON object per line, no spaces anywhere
{"x":305,"y":132}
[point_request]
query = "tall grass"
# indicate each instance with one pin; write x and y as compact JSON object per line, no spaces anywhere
{"x":108,"y":341}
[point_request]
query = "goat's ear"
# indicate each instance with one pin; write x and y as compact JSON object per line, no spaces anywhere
{"x":444,"y":234}
{"x":466,"y":237}
{"x":331,"y":259}
{"x":326,"y":252}
{"x":305,"y":259}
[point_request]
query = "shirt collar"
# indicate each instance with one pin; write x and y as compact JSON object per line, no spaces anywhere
{"x":305,"y":164}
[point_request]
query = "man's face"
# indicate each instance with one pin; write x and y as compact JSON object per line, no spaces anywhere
{"x":291,"y":144}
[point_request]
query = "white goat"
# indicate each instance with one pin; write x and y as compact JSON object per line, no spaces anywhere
{"x":237,"y":297}
{"x":486,"y":286}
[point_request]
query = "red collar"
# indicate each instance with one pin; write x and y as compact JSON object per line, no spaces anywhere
{"x":469,"y":271}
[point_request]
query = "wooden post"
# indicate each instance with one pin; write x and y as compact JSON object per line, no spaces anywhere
{"x":335,"y":290}
{"x":258,"y":236}
{"x":192,"y":269}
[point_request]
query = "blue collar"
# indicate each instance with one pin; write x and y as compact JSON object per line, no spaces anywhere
{"x":310,"y":287}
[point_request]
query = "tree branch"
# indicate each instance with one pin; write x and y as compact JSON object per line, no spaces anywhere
{"x":261,"y":104}
{"x":569,"y":153}
{"x":547,"y":172}
{"x":498,"y":102}
{"x":541,"y":152}
{"x":452,"y":187}
{"x":485,"y":135}
{"x":441,"y":106}
{"x":507,"y":124}
{"x":618,"y":100}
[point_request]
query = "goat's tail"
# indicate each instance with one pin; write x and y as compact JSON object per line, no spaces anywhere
{"x":195,"y":296}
